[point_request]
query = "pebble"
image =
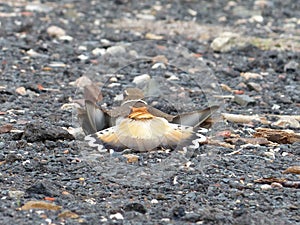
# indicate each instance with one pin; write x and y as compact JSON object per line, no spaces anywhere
{"x":287,"y":121}
{"x":249,"y":75}
{"x":36,"y":7}
{"x":192,"y":12}
{"x":113,"y":79}
{"x":55,"y":31}
{"x":270,"y":154}
{"x":243,"y":100}
{"x":285,"y":154}
{"x":135,"y":206}
{"x":57,"y":65}
{"x":275,"y":107}
{"x":68,"y":214}
{"x":114,"y":85}
{"x":153,"y":36}
{"x":266,"y":187}
{"x":254,"y":86}
{"x":225,"y":42}
{"x":82,"y":57}
{"x":114,"y":50}
{"x":91,"y":201}
{"x":141,"y":79}
{"x":257,"y":19}
{"x":131,"y":158}
{"x":16,"y":194}
{"x":145,"y":17}
{"x":43,"y":205}
{"x":173,"y":77}
{"x":192,"y":217}
{"x":82,"y":48}
{"x":154,"y":201}
{"x":65,"y":38}
{"x":119,"y":97}
{"x":222,"y":19}
{"x":159,"y":65}
{"x":98,"y":51}
{"x":35,"y":54}
{"x":157,"y":7}
{"x":276,"y":185}
{"x":117,"y":216}
{"x":291,"y":66}
{"x":21,"y":90}
{"x":38,"y":131}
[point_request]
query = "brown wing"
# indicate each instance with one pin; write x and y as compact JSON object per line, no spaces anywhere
{"x":195,"y":118}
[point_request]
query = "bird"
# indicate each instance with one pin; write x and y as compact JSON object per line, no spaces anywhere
{"x":138,"y":126}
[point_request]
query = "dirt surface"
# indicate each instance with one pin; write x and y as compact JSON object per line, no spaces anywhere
{"x":252,"y":69}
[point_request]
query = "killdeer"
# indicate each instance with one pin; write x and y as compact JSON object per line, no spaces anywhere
{"x":139,"y":126}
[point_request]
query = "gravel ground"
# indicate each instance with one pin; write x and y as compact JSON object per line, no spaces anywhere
{"x":49,"y":177}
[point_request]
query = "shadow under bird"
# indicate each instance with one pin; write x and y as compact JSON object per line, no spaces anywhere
{"x":139,"y":126}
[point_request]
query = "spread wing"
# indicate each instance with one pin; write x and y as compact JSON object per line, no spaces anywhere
{"x":141,"y":135}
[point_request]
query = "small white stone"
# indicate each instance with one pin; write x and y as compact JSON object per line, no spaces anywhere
{"x":192,"y":12}
{"x":175,"y":180}
{"x":76,"y":132}
{"x":82,"y":57}
{"x":98,"y":51}
{"x":270,"y":154}
{"x":35,"y":54}
{"x":66,"y":38}
{"x":114,"y":85}
{"x":249,"y":184}
{"x":287,"y":121}
{"x":157,"y":7}
{"x":56,"y":31}
{"x":82,"y":48}
{"x":38,"y":7}
{"x":105,"y":41}
{"x":26,"y":162}
{"x":48,"y":221}
{"x":222,"y":19}
{"x":103,"y":219}
{"x":117,"y":216}
{"x":113,"y":79}
{"x":276,"y":185}
{"x":257,"y":19}
{"x":154,"y":201}
{"x":118,"y":98}
{"x":16,"y":194}
{"x":57,"y":64}
{"x":21,"y":91}
{"x":144,"y":78}
{"x":266,"y":187}
{"x":97,"y":22}
{"x":90,"y":201}
{"x":275,"y":107}
{"x":285,"y":154}
{"x":116,"y":50}
{"x":224,"y":43}
{"x":159,"y":65}
{"x":145,"y":17}
{"x":173,"y":77}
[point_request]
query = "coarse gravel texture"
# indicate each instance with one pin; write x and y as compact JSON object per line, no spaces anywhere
{"x":40,"y":160}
